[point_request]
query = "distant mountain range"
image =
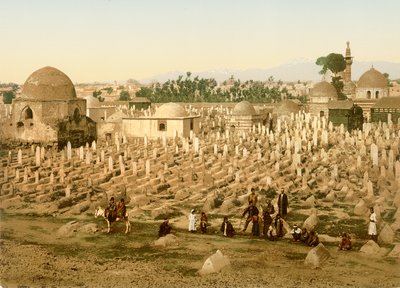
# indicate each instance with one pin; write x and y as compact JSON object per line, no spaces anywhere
{"x":298,"y":69}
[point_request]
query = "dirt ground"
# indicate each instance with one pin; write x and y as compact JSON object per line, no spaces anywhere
{"x":34,"y":253}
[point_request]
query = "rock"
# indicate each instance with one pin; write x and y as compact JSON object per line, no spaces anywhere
{"x":89,"y":228}
{"x":182,"y":194}
{"x":227,"y":206}
{"x":330,"y":197}
{"x":361,"y":208}
{"x":349,"y":196}
{"x":68,"y":229}
{"x":317,"y":256}
{"x":157,"y":212}
{"x":166,"y":241}
{"x":371,"y":248}
{"x":386,"y":235}
{"x":208,"y":204}
{"x":140,"y":200}
{"x":214,"y":263}
{"x":310,"y":201}
{"x":395,"y":251}
{"x":311,"y":221}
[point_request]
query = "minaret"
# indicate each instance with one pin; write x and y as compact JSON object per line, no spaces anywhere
{"x":349,"y":88}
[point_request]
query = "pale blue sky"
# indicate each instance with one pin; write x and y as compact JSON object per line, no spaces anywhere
{"x":100,"y":40}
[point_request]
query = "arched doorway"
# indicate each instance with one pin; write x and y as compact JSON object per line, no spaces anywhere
{"x":376,"y":94}
{"x":368,"y":94}
{"x":77,"y":115}
{"x":27,"y":113}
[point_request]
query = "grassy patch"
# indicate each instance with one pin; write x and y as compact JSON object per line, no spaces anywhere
{"x":296,"y":256}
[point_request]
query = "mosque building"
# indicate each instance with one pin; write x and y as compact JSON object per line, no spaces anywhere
{"x":320,"y":95}
{"x":371,"y":86}
{"x":48,"y":111}
{"x":244,"y":116}
{"x":169,"y":120}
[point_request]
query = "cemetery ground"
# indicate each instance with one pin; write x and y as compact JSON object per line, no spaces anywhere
{"x":38,"y":251}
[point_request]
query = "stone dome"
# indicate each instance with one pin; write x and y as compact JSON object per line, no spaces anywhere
{"x":323,"y":89}
{"x":372,"y":79}
{"x":92,"y":102}
{"x":243,"y":108}
{"x":48,"y":84}
{"x":170,"y":110}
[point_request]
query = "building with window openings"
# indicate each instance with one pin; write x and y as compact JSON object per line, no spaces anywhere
{"x":48,"y":111}
{"x":169,"y":120}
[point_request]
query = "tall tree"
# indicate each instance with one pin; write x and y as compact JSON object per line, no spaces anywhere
{"x":335,"y":63}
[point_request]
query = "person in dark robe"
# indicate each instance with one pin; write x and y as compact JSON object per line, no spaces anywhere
{"x":304,"y":235}
{"x":203,"y":223}
{"x":278,"y":226}
{"x":282,"y":204}
{"x":227,"y":228}
{"x":255,"y":230}
{"x":267,"y":219}
{"x":345,"y":244}
{"x":121,"y":209}
{"x":250,"y":211}
{"x":111,"y":210}
{"x":313,"y":240}
{"x":165,"y":228}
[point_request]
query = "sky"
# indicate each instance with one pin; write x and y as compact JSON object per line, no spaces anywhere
{"x":103,"y":40}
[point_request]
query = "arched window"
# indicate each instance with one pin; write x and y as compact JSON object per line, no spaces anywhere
{"x":77,"y":115}
{"x":376,"y":94}
{"x":161,"y":127}
{"x":321,"y":113}
{"x":368,"y":94}
{"x":28,"y":114}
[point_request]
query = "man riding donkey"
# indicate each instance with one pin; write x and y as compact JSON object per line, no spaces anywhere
{"x":114,"y":211}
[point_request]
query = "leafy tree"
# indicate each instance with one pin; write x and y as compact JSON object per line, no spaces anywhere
{"x":8,"y":96}
{"x":388,"y":79}
{"x":333,"y":62}
{"x":108,"y":89}
{"x":336,"y":64}
{"x":124,"y":96}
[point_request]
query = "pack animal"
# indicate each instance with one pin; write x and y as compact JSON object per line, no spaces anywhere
{"x":101,"y":212}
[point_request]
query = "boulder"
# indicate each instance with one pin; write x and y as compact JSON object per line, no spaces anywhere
{"x":349,"y":196}
{"x":89,"y":228}
{"x":386,"y":235}
{"x":214,"y":263}
{"x":163,"y":210}
{"x":330,"y":197}
{"x":361,"y":208}
{"x":371,"y":248}
{"x":395,"y":251}
{"x":208,"y":204}
{"x":68,"y":229}
{"x":311,"y":222}
{"x":227,"y":205}
{"x":140,"y":200}
{"x":310,"y":201}
{"x":166,"y":241}
{"x":182,"y":194}
{"x":317,"y":256}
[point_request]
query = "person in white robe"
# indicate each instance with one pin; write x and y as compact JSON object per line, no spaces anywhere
{"x":192,"y":221}
{"x":372,"y":225}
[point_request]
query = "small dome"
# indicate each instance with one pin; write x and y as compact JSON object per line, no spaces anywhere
{"x":92,"y":102}
{"x":48,"y":84}
{"x":244,"y":108}
{"x":170,"y":110}
{"x":372,"y":79}
{"x":323,"y":89}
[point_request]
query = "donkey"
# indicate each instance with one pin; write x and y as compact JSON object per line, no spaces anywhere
{"x":102,"y":213}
